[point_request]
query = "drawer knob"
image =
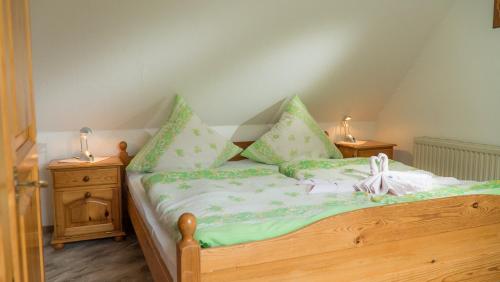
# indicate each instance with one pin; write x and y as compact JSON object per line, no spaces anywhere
{"x":87,"y":195}
{"x":86,"y":178}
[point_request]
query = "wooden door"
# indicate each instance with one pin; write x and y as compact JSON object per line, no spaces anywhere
{"x":21,"y":256}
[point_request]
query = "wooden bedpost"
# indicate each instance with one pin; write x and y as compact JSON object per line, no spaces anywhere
{"x":188,"y":250}
{"x":123,"y":155}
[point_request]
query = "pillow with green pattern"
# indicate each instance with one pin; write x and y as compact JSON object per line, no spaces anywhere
{"x":295,"y":136}
{"x":184,"y":142}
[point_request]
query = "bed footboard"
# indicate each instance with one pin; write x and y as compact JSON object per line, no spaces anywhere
{"x":452,"y":239}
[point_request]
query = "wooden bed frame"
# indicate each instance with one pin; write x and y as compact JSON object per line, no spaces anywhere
{"x":448,"y":239}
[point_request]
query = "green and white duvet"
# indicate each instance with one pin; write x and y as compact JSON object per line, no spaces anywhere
{"x":237,"y":205}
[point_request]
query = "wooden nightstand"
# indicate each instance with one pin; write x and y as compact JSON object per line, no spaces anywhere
{"x":87,"y":201}
{"x":365,"y":149}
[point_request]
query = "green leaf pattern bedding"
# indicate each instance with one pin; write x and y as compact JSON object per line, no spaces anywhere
{"x":237,"y":205}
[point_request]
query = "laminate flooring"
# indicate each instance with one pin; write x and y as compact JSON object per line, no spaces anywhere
{"x":96,"y":260}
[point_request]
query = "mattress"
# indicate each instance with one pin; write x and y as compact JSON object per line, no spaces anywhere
{"x":238,"y":205}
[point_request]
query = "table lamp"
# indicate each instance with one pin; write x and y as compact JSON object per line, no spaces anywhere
{"x":85,"y":155}
{"x":347,"y":132}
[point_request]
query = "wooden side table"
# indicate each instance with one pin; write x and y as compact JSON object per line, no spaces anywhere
{"x":87,"y":201}
{"x":366,"y":148}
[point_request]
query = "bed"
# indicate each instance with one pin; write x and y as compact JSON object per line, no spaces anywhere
{"x":448,"y":238}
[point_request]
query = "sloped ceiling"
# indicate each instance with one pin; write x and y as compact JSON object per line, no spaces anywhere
{"x":117,"y":64}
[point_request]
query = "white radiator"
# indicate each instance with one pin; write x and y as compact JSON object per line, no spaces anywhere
{"x":462,"y":160}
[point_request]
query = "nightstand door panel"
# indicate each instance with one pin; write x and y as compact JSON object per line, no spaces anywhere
{"x":85,"y":211}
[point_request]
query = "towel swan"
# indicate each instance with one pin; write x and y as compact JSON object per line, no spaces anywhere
{"x":383,"y":181}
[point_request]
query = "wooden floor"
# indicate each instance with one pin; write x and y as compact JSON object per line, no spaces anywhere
{"x":96,"y":260}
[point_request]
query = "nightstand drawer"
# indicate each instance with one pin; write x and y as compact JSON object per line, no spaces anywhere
{"x":375,"y":152}
{"x":86,"y":210}
{"x":85,"y":177}
{"x":348,"y":152}
{"x":365,"y":149}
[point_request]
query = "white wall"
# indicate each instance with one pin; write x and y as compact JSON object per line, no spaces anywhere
{"x":114,"y":65}
{"x":453,"y":89}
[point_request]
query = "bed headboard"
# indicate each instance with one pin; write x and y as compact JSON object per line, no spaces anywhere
{"x":126,"y":158}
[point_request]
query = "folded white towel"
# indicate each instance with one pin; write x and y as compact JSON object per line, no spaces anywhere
{"x":393,"y":182}
{"x":371,"y":185}
{"x":416,"y":178}
{"x":402,"y":183}
{"x":384,"y":162}
{"x":447,"y":181}
{"x":317,"y":186}
{"x":374,"y":165}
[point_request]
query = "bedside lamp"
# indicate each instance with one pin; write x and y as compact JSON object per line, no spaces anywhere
{"x":347,"y":133}
{"x":85,"y":155}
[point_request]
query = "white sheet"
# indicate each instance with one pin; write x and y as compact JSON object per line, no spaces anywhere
{"x":163,"y":242}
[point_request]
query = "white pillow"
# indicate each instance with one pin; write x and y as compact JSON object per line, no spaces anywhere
{"x":183,"y":143}
{"x":295,"y":136}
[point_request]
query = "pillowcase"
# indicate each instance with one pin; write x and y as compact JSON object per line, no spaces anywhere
{"x":295,"y":136}
{"x":183,"y":143}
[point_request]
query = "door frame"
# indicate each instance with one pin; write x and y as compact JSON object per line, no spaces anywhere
{"x":10,"y":268}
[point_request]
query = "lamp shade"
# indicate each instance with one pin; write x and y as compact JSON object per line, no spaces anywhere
{"x":85,"y":131}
